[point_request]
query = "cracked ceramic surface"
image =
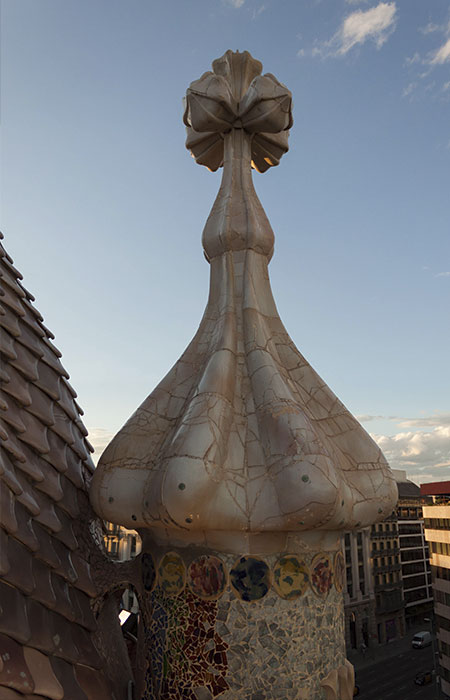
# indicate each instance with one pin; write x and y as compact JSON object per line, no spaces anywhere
{"x":232,"y":646}
{"x":242,"y":437}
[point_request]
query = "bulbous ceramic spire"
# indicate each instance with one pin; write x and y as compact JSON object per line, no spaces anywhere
{"x":242,"y":435}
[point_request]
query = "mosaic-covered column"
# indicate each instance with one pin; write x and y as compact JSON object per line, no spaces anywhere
{"x":251,"y":626}
{"x":242,"y":467}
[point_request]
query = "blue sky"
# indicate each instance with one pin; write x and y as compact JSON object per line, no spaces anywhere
{"x":103,"y":209}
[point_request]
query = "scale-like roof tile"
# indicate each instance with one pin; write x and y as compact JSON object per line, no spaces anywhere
{"x":47,"y":590}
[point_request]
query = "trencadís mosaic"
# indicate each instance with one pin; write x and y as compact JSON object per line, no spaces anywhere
{"x":250,"y":578}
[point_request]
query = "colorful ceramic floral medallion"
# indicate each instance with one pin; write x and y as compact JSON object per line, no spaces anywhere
{"x":290,"y":577}
{"x":206,"y":577}
{"x":321,"y":574}
{"x":148,"y":571}
{"x":339,"y":571}
{"x":250,"y":578}
{"x":171,"y":574}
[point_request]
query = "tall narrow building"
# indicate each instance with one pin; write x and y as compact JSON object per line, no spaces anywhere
{"x":414,"y":551}
{"x":359,"y":594}
{"x":437,"y":533}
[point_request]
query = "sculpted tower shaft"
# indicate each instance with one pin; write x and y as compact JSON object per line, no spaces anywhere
{"x":242,"y":467}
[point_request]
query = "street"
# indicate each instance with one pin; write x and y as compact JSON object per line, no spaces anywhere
{"x":393,"y":677}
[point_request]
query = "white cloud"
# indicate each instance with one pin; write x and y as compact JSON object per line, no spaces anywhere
{"x":257,"y":11}
{"x":365,"y":418}
{"x":235,"y":3}
{"x":99,"y":438}
{"x":421,"y":447}
{"x":442,"y":54}
{"x":430,"y":27}
{"x":410,"y":60}
{"x":435,"y":420}
{"x":375,"y":24}
{"x":438,"y":56}
{"x":417,"y":450}
{"x":445,"y":273}
{"x":409,"y":89}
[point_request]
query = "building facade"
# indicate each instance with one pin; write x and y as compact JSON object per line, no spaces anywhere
{"x":387,"y":580}
{"x":415,"y":564}
{"x":359,"y":596}
{"x":120,"y":543}
{"x":437,"y":533}
{"x":388,"y":576}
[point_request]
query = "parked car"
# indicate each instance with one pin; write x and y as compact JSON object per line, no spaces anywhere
{"x":423,"y":678}
{"x":421,"y":639}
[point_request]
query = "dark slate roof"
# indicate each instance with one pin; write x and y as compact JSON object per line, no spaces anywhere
{"x":47,"y":585}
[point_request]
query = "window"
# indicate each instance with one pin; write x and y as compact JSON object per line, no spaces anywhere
{"x":440,"y":548}
{"x":414,"y":581}
{"x":437,"y":523}
{"x":414,"y":596}
{"x":440,"y":572}
{"x":442,"y":623}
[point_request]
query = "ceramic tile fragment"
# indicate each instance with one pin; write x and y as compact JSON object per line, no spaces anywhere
{"x":291,"y":577}
{"x":339,"y":571}
{"x":171,"y":574}
{"x":321,"y":574}
{"x":207,"y":577}
{"x":250,"y":578}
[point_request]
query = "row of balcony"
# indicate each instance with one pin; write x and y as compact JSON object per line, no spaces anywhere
{"x":383,"y":552}
{"x":386,"y":569}
{"x":397,"y":585}
{"x":393,"y":534}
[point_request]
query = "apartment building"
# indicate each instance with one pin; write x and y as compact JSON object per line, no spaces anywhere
{"x":437,"y":533}
{"x":414,"y":555}
{"x":387,"y":580}
{"x":120,"y":543}
{"x":359,"y":596}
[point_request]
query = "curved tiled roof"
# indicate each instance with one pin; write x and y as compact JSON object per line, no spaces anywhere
{"x":50,"y":641}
